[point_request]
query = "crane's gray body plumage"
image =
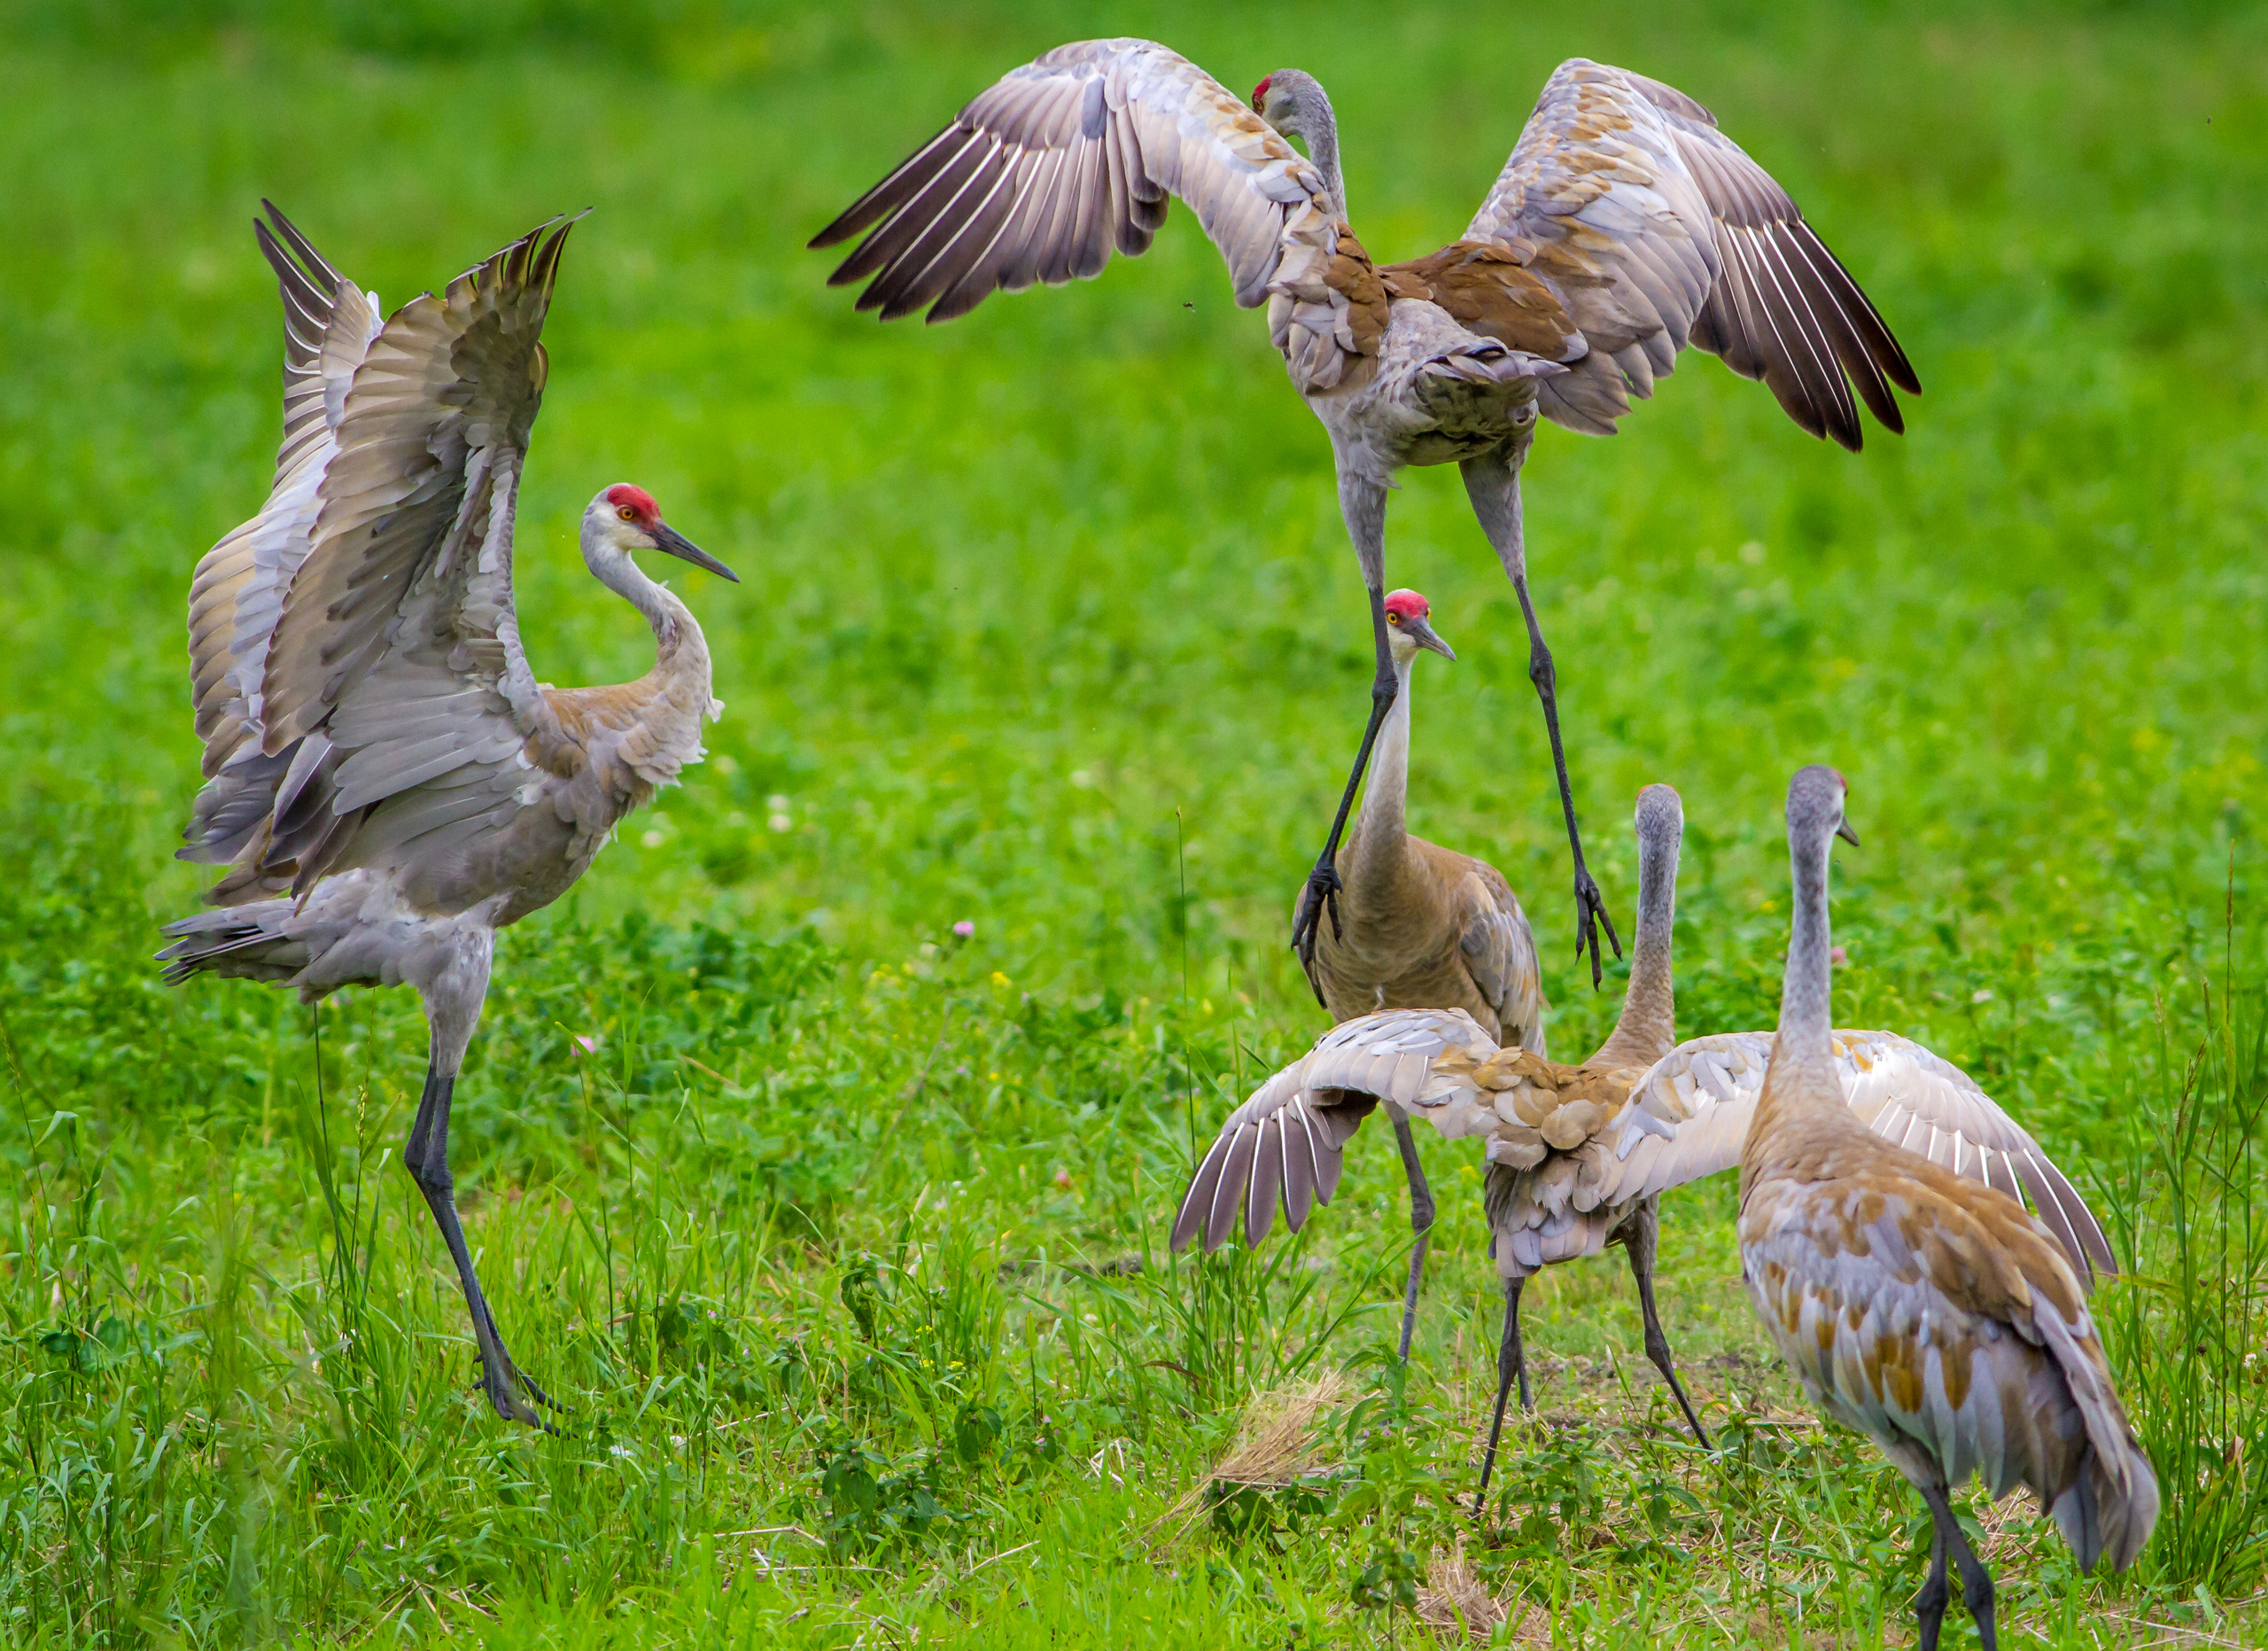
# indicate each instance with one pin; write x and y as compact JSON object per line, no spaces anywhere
{"x":388,"y":784}
{"x":1915,"y":1297}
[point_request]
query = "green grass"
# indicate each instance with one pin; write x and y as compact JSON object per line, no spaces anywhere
{"x":1048,"y":623}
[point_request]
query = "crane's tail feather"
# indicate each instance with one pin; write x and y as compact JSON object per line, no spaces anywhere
{"x":245,"y":942}
{"x":2110,"y":1505}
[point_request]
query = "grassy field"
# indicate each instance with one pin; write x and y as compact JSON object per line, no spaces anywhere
{"x":844,"y":1236}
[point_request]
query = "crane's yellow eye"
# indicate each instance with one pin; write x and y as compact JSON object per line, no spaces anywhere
{"x":627,"y":514}
{"x":1394,"y":619}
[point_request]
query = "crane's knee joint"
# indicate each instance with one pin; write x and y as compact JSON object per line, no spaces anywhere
{"x":1540,"y":671}
{"x":432,"y":1178}
{"x":1977,"y":1591}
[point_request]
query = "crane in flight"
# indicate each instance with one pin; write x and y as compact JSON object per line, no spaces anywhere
{"x":1624,"y":228}
{"x":385,"y":780}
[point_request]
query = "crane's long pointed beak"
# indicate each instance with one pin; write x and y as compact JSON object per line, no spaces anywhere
{"x":672,"y":542}
{"x":1847,"y":834}
{"x":1426,"y":636}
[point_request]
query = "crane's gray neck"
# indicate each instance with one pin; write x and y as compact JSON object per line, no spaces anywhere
{"x":1806,"y":998}
{"x":1380,"y":828}
{"x":1312,"y":122}
{"x":1648,"y":1028}
{"x":671,"y":620}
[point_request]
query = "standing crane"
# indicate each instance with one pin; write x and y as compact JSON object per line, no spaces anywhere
{"x":385,"y":780}
{"x":1579,"y":1157}
{"x":1624,"y":227}
{"x":1426,"y":926}
{"x":1268,"y":1146}
{"x":1930,"y":1313}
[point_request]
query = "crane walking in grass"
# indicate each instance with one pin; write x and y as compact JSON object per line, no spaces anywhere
{"x":385,"y":780}
{"x":1624,"y":227}
{"x":1424,"y":927}
{"x":1579,"y":1157}
{"x":1930,"y":1313}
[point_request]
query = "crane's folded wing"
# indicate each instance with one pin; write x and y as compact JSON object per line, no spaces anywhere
{"x":1499,"y":951}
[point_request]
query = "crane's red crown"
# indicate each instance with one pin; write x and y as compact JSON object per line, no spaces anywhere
{"x":1260,"y":93}
{"x":1408,"y":604}
{"x":637,"y":500}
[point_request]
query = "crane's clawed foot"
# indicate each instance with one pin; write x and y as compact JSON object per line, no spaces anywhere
{"x":513,"y":1393}
{"x":1321,"y":895}
{"x":1590,"y":915}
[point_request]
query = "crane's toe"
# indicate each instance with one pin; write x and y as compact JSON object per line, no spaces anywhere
{"x":510,"y":1390}
{"x":1590,"y":915}
{"x":1319,"y":897}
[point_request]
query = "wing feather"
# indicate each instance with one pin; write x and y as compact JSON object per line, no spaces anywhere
{"x":1687,"y":1118}
{"x":1656,"y":229}
{"x":1287,"y":1140}
{"x":1105,"y":131}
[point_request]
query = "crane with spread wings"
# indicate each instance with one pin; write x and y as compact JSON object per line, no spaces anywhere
{"x":385,"y":780}
{"x":1624,"y":228}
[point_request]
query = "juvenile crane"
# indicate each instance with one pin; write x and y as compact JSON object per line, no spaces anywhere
{"x":1929,"y":1312}
{"x":1624,"y":227}
{"x":1276,"y":1144}
{"x":385,"y":780}
{"x":1579,"y":1156}
{"x":1424,"y":927}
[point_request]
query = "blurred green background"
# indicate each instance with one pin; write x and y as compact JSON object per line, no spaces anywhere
{"x":1047,"y":622}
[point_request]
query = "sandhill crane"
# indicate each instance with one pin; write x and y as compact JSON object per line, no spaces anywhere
{"x":1426,"y":926}
{"x":1274,"y":1139}
{"x":1624,"y":227}
{"x":1579,"y":1157}
{"x":385,"y":779}
{"x":1928,"y":1312}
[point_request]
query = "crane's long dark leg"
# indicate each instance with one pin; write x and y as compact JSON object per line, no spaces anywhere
{"x":1493,"y":483}
{"x":453,"y":1007}
{"x":1640,"y":1238}
{"x":1421,"y":1221}
{"x":1510,"y":1362}
{"x":1976,"y":1581}
{"x":1363,"y":504}
{"x":1930,"y":1604}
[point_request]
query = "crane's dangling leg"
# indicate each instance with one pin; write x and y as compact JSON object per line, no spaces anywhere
{"x":1645,"y":1228}
{"x":1493,"y":483}
{"x":1510,"y":1362}
{"x":452,"y":999}
{"x":1421,"y":1219}
{"x":1975,"y":1582}
{"x":1363,"y":504}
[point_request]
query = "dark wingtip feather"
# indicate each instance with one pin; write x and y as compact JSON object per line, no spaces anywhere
{"x":1199,"y":1198}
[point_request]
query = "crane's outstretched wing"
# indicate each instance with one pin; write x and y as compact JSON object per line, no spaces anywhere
{"x":1076,"y":152}
{"x":1688,"y":1115}
{"x":395,"y":665}
{"x":238,"y":591}
{"x":1287,"y":1140}
{"x":1656,"y":231}
{"x":1499,"y":952}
